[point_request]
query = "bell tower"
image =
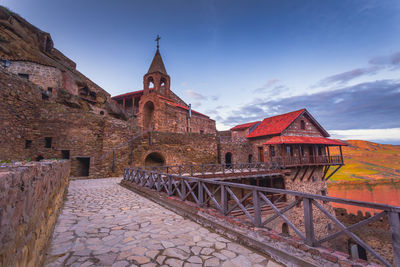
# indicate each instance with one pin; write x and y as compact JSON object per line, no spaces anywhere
{"x":156,"y":79}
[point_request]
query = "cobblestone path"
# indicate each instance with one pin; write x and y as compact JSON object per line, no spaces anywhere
{"x":104,"y":224}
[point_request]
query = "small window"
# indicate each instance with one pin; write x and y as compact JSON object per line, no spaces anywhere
{"x":50,"y":89}
{"x":250,"y":158}
{"x":302,"y":125}
{"x":47,"y":142}
{"x":101,"y":112}
{"x":39,"y":158}
{"x":28,"y":143}
{"x":24,"y":76}
{"x":201,"y":131}
{"x":65,"y":154}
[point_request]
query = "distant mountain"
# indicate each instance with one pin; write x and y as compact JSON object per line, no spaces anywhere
{"x":369,"y":161}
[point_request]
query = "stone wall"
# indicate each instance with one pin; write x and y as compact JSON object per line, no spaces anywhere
{"x":31,"y":195}
{"x":44,"y":76}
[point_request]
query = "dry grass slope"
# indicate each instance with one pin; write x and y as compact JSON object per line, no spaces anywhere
{"x":369,"y":161}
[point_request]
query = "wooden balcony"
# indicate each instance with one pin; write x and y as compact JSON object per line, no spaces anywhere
{"x":293,"y":161}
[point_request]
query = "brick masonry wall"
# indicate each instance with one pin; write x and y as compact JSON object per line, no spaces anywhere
{"x":41,"y":75}
{"x":31,"y":195}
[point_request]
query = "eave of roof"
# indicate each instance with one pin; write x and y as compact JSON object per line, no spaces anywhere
{"x":304,"y":140}
{"x":127,"y":94}
{"x":244,"y":126}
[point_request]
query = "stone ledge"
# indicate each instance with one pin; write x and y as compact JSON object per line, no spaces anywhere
{"x":287,"y":250}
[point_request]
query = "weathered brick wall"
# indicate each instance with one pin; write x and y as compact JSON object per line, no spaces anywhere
{"x":31,"y":195}
{"x":295,"y":128}
{"x":240,"y":151}
{"x":44,"y":76}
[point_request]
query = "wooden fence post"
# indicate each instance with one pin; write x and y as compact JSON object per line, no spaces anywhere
{"x":394,"y":222}
{"x":200,"y":193}
{"x":169,"y":186}
{"x":183,"y":189}
{"x":224,"y":199}
{"x":308,"y":222}
{"x":257,"y":208}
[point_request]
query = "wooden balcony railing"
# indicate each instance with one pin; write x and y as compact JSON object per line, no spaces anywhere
{"x":292,"y":161}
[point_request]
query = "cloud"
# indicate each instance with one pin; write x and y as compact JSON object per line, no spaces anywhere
{"x":197,"y":98}
{"x":391,"y":135}
{"x":344,"y":77}
{"x":371,"y":105}
{"x":272,"y":87}
{"x":194,"y":95}
{"x":388,"y":60}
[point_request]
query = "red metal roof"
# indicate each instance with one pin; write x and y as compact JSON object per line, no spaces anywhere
{"x":304,"y":140}
{"x":276,"y":124}
{"x":244,"y":126}
{"x":127,"y":94}
{"x":170,"y":101}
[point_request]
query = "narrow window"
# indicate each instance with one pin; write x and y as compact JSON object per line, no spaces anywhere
{"x":45,"y":95}
{"x":101,"y":112}
{"x":302,"y":125}
{"x":65,"y":154}
{"x":289,"y":150}
{"x":28,"y":143}
{"x":47,"y":142}
{"x":50,"y":89}
{"x":201,"y":131}
{"x":250,"y":158}
{"x":24,"y":76}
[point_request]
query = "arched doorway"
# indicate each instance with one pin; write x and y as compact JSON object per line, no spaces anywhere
{"x":228,"y":159}
{"x":148,"y":114}
{"x":154,"y":159}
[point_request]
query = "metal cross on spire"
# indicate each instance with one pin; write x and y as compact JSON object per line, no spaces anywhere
{"x":157,"y":40}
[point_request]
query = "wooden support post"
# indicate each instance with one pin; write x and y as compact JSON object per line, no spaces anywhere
{"x":257,"y":209}
{"x":308,"y":222}
{"x":191,"y":170}
{"x":183,"y":189}
{"x":394,"y":222}
{"x":341,"y":154}
{"x":169,"y":185}
{"x":113,"y":162}
{"x":202,"y":169}
{"x":200,"y":193}
{"x":224,"y":199}
{"x":159,"y":182}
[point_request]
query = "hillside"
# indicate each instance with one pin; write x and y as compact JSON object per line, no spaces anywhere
{"x":369,"y":161}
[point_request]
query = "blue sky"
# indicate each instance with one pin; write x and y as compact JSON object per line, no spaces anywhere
{"x":240,"y":61}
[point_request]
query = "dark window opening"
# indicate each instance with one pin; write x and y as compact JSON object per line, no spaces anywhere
{"x":154,"y":159}
{"x":272,"y":151}
{"x":45,"y":95}
{"x":39,"y":158}
{"x":250,"y":158}
{"x":50,"y":89}
{"x":65,"y":154}
{"x":28,"y":143}
{"x":228,"y":159}
{"x":289,"y":150}
{"x":24,"y":76}
{"x":101,"y":112}
{"x":285,"y":229}
{"x":201,"y":131}
{"x":47,"y":142}
{"x":83,"y":166}
{"x":148,"y":115}
{"x":356,"y":251}
{"x":302,"y":125}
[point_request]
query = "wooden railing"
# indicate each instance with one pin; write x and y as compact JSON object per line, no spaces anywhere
{"x":207,"y":169}
{"x":291,"y":161}
{"x":217,"y":193}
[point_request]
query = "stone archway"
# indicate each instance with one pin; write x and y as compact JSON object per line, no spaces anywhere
{"x":154,"y":159}
{"x":148,"y":115}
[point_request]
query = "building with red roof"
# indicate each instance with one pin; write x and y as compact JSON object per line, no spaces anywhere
{"x":159,"y":108}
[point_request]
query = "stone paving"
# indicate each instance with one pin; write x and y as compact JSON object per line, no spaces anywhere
{"x":104,"y":224}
